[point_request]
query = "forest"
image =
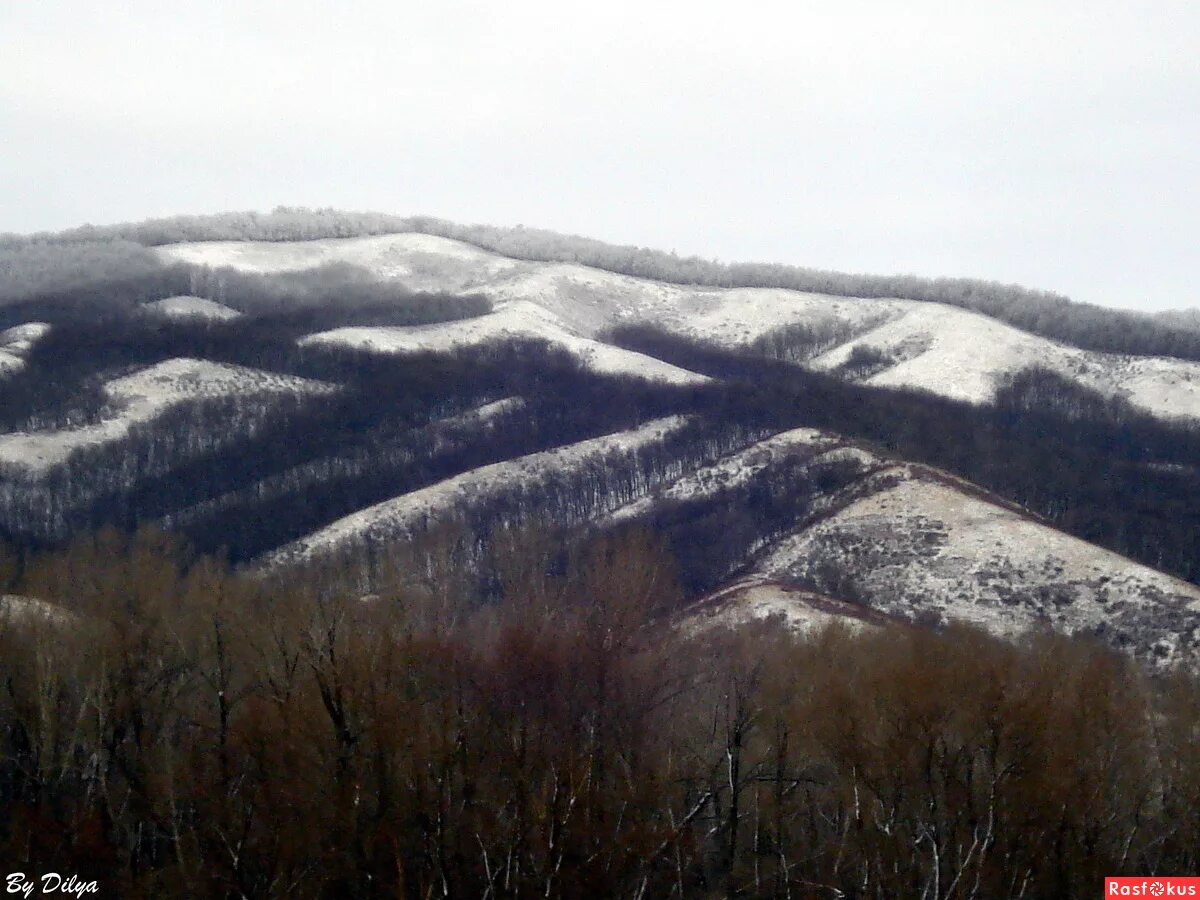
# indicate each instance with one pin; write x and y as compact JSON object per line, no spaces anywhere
{"x":171,"y":728}
{"x":1094,"y":467}
{"x":248,"y":473}
{"x":34,"y":265}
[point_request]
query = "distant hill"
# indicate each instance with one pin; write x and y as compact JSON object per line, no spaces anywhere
{"x":342,"y":391}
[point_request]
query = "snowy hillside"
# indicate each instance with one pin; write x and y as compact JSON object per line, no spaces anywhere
{"x":139,"y":398}
{"x":895,"y":542}
{"x":966,"y":356}
{"x":520,"y":319}
{"x":16,"y":609}
{"x":942,"y":349}
{"x":411,"y":390}
{"x":422,"y":260}
{"x":915,"y":543}
{"x":445,"y":499}
{"x":738,"y":468}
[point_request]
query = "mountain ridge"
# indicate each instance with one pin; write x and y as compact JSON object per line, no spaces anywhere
{"x":324,"y":402}
{"x":592,"y":300}
{"x":1039,"y":311}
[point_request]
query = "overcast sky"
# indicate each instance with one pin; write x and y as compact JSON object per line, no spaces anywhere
{"x":1053,"y":144}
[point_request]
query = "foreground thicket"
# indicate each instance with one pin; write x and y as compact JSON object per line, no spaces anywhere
{"x":180,"y":732}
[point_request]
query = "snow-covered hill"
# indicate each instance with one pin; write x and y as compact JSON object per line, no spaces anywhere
{"x":917,"y":544}
{"x":401,"y":515}
{"x":422,"y":260}
{"x":942,"y":349}
{"x":800,"y":526}
{"x":894,"y":542}
{"x":966,"y":356}
{"x":140,"y":397}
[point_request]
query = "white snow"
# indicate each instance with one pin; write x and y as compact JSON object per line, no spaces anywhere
{"x":191,"y":307}
{"x":1167,"y":387}
{"x":946,"y":350}
{"x":141,"y":397}
{"x":16,"y":342}
{"x":967,"y":356}
{"x":755,"y":599}
{"x":386,"y":256}
{"x":736,"y":317}
{"x":911,"y":542}
{"x":917,"y":543}
{"x":484,"y":413}
{"x":585,"y":300}
{"x":22,"y":610}
{"x":593,"y":301}
{"x":519,"y":319}
{"x":400,"y":514}
{"x":23,"y":337}
{"x":589,"y":301}
{"x":733,"y":470}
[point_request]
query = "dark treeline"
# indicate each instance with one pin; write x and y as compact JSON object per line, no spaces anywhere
{"x":324,"y":297}
{"x":281,"y":224}
{"x":30,"y":268}
{"x":286,"y":485}
{"x":51,"y":259}
{"x":1094,"y":467}
{"x":715,"y":536}
{"x":101,"y":329}
{"x":250,"y":472}
{"x":328,"y":296}
{"x":801,"y":341}
{"x":172,"y":731}
{"x":566,"y":501}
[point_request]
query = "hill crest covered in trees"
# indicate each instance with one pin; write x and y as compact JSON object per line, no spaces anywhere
{"x":393,"y":387}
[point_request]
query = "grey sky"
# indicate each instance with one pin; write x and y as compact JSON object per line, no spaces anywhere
{"x":1050,"y":143}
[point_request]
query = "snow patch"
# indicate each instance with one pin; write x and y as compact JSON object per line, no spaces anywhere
{"x":485,"y":413}
{"x":21,"y":610}
{"x":16,"y":342}
{"x":419,"y":257}
{"x":967,"y":356}
{"x":755,"y":600}
{"x":520,"y":319}
{"x":191,"y":307}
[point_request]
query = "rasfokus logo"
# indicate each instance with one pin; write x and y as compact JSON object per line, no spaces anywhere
{"x":1147,"y":886}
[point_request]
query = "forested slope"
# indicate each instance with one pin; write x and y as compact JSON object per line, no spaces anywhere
{"x":41,"y":263}
{"x":323,"y":403}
